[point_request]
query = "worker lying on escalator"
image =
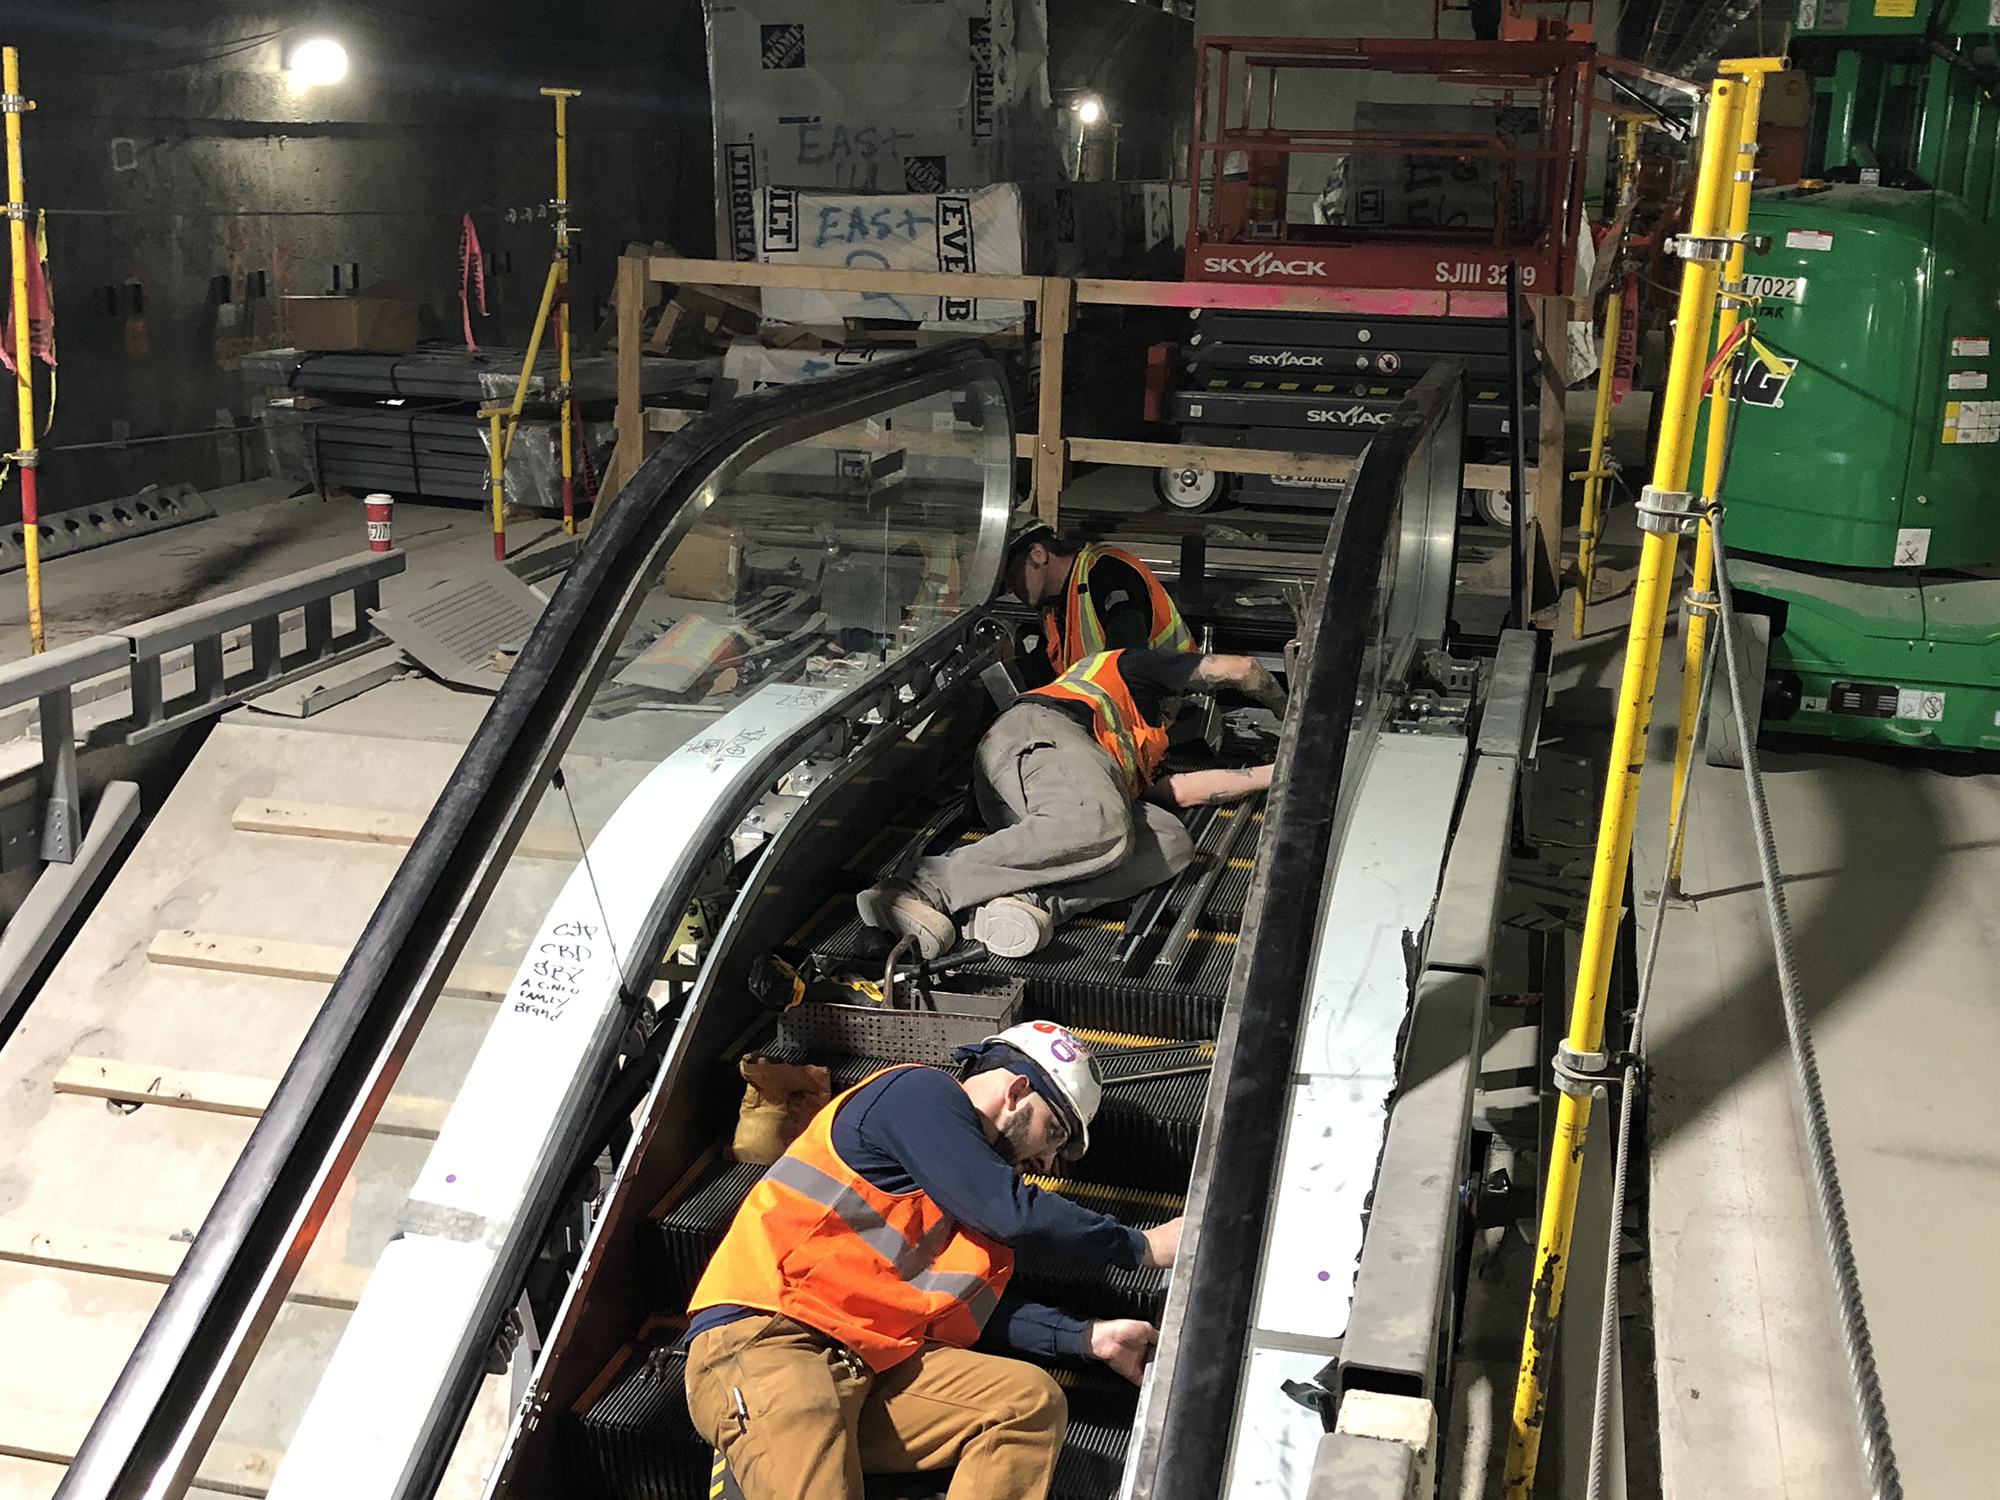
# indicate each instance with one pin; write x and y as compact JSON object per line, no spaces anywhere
{"x":832,"y":1332}
{"x":1066,"y":779}
{"x":1092,"y":598}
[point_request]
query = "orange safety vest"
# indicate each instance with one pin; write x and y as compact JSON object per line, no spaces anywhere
{"x":1073,"y":632}
{"x":1136,"y":746}
{"x":884,"y":1273}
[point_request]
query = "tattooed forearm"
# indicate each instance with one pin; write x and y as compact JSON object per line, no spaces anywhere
{"x":1246,"y":676}
{"x":1199,"y":788}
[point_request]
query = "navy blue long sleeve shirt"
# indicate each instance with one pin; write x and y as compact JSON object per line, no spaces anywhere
{"x":913,"y":1130}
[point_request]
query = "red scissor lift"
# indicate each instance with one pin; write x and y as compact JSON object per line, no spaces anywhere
{"x":1329,"y":317}
{"x":1243,"y":160}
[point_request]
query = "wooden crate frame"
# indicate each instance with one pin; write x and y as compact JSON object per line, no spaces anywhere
{"x":1055,"y":299}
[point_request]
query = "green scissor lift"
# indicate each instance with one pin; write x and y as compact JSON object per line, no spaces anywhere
{"x":1863,"y":489}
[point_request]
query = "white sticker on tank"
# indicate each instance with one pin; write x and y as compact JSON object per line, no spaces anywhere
{"x":1811,"y":705}
{"x":1808,"y":239}
{"x":1913,"y":546}
{"x":1925,"y":704}
{"x":1979,"y":345}
{"x":1776,"y":288}
{"x":1966,"y":380}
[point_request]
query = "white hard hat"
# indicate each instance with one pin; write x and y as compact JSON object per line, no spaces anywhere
{"x":1070,"y":1067}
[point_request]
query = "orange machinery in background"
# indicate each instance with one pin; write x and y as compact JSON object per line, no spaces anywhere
{"x":1415,"y":205}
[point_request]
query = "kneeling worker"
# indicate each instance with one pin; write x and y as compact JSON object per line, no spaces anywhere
{"x":1092,"y":598}
{"x":1066,"y":780}
{"x":832,"y":1331}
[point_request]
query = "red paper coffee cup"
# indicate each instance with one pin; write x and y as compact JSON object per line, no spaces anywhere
{"x":378,"y":522}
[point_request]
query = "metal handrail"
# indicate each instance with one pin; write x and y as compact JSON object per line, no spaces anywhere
{"x":186,"y":1368}
{"x":1187,"y":1419}
{"x":202,"y":627}
{"x":52,"y":677}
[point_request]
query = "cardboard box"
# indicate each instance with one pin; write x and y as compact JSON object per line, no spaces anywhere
{"x":707,"y":565}
{"x":382,"y":320}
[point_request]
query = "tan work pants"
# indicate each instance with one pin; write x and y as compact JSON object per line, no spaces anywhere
{"x":814,"y":1418}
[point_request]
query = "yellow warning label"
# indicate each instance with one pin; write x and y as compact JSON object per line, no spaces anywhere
{"x":1895,"y":7}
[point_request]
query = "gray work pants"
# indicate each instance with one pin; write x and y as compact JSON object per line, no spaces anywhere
{"x":1063,"y":826}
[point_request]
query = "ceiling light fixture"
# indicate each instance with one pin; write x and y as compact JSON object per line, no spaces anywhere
{"x":318,"y":60}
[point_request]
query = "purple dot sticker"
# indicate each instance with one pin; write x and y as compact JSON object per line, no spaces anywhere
{"x":453,"y":1177}
{"x":1323,"y":1276}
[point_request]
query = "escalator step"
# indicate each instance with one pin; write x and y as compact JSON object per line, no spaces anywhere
{"x":1092,"y":1461}
{"x":635,"y":1441}
{"x":685,"y":1235}
{"x":1074,"y":981}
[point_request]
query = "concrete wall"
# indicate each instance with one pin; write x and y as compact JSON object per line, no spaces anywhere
{"x":188,"y":188}
{"x":1140,"y":61}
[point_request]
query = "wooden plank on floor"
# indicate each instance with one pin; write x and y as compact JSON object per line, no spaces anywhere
{"x":224,"y":1093}
{"x":368,"y":825}
{"x":50,"y":1438}
{"x":139,"y":1258}
{"x":318,"y":963}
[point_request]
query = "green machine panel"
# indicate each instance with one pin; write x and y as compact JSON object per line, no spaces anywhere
{"x":1873,"y":18}
{"x":1880,"y":445}
{"x":1912,"y":661}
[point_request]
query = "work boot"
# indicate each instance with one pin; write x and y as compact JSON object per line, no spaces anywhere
{"x":1013,"y":926}
{"x":895,"y":906}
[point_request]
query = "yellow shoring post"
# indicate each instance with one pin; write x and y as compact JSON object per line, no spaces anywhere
{"x":511,"y":411}
{"x":555,"y":293}
{"x":565,"y":398}
{"x":1597,"y":474}
{"x":1696,"y":602}
{"x":1659,"y":507}
{"x":26,"y":457}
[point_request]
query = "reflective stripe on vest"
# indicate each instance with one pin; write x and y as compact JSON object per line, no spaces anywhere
{"x":1075,"y":634}
{"x":1134,"y":745}
{"x":904,"y":1273}
{"x":877,"y":1233}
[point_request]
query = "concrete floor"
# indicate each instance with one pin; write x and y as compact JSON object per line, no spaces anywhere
{"x":260,"y":532}
{"x":76,"y":1170}
{"x":1890,"y":863}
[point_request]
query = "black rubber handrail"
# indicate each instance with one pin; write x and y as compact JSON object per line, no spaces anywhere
{"x":1185,"y":1440}
{"x":157,"y":1423}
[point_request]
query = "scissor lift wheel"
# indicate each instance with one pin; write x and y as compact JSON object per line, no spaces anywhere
{"x":1190,"y":489}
